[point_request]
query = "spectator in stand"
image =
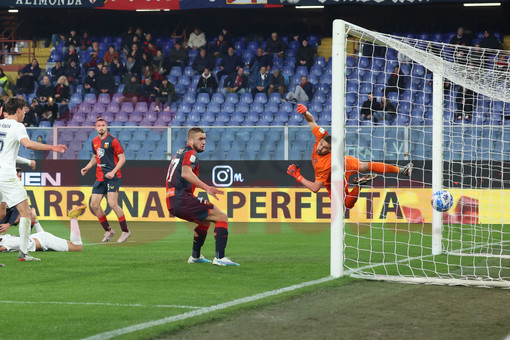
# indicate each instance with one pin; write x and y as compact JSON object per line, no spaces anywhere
{"x":70,"y":55}
{"x":202,"y":62}
{"x":403,"y":59}
{"x":459,"y":38}
{"x":45,"y":90}
{"x":149,"y":91}
{"x":85,"y":43}
{"x":460,"y":55}
{"x":90,"y":82}
{"x":396,"y":82}
{"x":260,"y":82}
{"x":50,"y":111}
{"x":196,"y":39}
{"x":490,"y":41}
{"x":166,"y":92}
{"x":133,"y":68}
{"x":110,"y":54}
{"x":93,"y":56}
{"x":135,"y":52}
{"x":57,"y":39}
{"x":146,"y":61}
{"x":72,"y":39}
{"x":305,"y":54}
{"x":229,"y":64}
{"x":63,"y":110}
{"x":386,"y":111}
{"x":4,"y":82}
{"x":156,"y":76}
{"x":368,"y":108}
{"x":127,"y":40}
{"x":138,"y":35}
{"x":62,"y":92}
{"x":476,"y":56}
{"x":32,"y":70}
{"x":276,"y":83}
{"x":146,"y":41}
{"x":236,"y":83}
{"x":207,"y":83}
{"x":220,"y":47}
{"x":178,"y":56}
{"x":151,"y":50}
{"x":73,"y":73}
{"x":260,"y":59}
{"x":501,"y":64}
{"x":34,"y":113}
{"x":57,"y":71}
{"x":116,"y":68}
{"x":160,"y":62}
{"x":226,"y":36}
{"x":275,"y":45}
{"x":302,"y":93}
{"x":24,"y":84}
{"x":465,"y":101}
{"x":131,"y":91}
{"x":105,"y":81}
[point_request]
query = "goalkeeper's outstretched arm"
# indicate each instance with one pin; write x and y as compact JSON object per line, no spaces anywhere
{"x":303,"y":110}
{"x":295,"y":172}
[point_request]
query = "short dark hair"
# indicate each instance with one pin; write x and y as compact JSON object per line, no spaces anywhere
{"x":327,"y":138}
{"x":100,"y":119}
{"x":193,"y":131}
{"x":14,"y":104}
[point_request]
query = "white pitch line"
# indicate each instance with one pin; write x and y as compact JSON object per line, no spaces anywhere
{"x":204,"y":310}
{"x":100,"y":304}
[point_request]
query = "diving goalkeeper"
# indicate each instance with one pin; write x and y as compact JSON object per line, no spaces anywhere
{"x":321,"y":161}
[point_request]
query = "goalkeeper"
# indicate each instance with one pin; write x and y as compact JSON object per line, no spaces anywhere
{"x":321,"y":161}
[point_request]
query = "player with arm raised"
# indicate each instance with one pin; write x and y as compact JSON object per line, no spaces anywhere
{"x":321,"y":161}
{"x":12,"y":192}
{"x":108,"y":159}
{"x":181,"y":181}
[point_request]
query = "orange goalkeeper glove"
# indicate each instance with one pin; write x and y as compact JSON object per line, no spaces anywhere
{"x":301,"y":109}
{"x":295,"y":172}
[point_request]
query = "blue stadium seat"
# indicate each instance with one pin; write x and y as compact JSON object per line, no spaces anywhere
{"x":232,"y":98}
{"x":281,"y":118}
{"x":246,"y":98}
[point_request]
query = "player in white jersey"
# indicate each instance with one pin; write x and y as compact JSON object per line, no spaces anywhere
{"x":12,"y":191}
{"x":43,"y":241}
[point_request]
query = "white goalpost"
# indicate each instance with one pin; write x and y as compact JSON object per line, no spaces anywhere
{"x":398,"y":100}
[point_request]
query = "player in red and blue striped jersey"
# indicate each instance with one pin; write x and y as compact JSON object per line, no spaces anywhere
{"x":181,"y":181}
{"x":108,"y":158}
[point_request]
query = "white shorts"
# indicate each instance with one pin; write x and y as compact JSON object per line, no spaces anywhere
{"x":12,"y":191}
{"x":50,"y":242}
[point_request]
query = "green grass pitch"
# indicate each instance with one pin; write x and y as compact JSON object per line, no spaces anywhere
{"x":110,"y":286}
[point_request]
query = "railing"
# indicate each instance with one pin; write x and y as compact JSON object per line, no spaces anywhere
{"x":11,"y":47}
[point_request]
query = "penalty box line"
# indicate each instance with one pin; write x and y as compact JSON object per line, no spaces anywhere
{"x":204,"y":310}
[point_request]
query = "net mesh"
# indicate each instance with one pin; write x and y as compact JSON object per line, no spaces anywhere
{"x":388,"y":118}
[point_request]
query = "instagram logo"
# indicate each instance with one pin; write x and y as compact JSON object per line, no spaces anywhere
{"x":222,"y":175}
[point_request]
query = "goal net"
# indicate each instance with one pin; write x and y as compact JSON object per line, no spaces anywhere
{"x":442,"y":107}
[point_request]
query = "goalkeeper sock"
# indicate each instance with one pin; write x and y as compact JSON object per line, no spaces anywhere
{"x":198,"y":240}
{"x":383,"y":168}
{"x":75,"y":236}
{"x":352,"y":197}
{"x":104,"y":223}
{"x":221,"y":236}
{"x":37,"y":226}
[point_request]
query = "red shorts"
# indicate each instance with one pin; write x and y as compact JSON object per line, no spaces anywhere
{"x":190,"y":208}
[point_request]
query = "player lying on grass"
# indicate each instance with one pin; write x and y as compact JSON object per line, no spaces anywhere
{"x":42,"y":240}
{"x":321,"y":161}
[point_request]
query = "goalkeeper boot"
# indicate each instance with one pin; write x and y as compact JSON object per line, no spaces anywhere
{"x":76,"y":212}
{"x":223,"y":262}
{"x":200,"y":259}
{"x":365,"y":179}
{"x":108,"y":235}
{"x":407,"y":170}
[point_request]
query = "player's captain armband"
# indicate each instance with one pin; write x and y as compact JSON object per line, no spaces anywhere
{"x":322,"y":131}
{"x":170,"y":192}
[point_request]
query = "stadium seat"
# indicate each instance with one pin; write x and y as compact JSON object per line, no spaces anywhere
{"x":89,"y":98}
{"x":237,"y":117}
{"x":301,"y":71}
{"x":223,"y":118}
{"x":141,"y":107}
{"x":232,"y":98}
{"x":246,"y":98}
{"x":281,"y":118}
{"x":203,"y":98}
{"x":251,"y":118}
{"x":260,"y":98}
{"x":243,"y":107}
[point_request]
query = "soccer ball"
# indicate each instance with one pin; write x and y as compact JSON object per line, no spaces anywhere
{"x":442,"y":200}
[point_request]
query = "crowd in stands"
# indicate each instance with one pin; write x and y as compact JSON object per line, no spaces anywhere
{"x":160,"y":71}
